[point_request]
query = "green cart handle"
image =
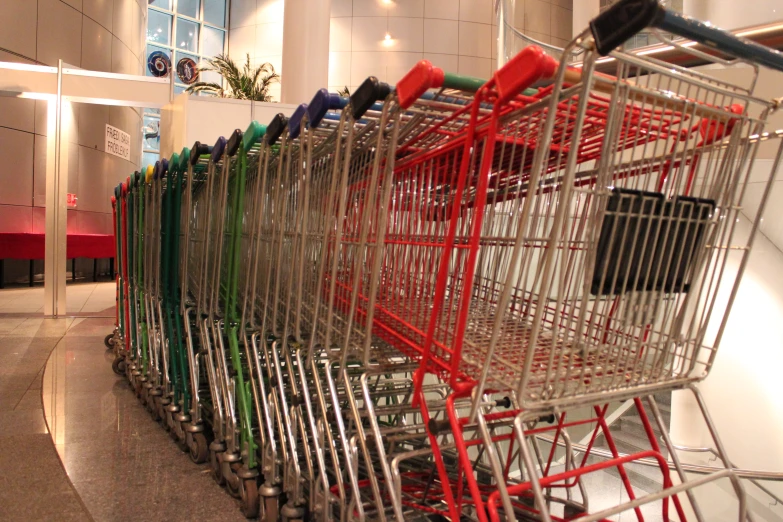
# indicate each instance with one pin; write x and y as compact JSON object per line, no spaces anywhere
{"x":174,"y":163}
{"x":255,"y":131}
{"x":184,"y":159}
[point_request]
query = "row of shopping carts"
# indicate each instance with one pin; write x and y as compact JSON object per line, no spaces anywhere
{"x":400,"y":305}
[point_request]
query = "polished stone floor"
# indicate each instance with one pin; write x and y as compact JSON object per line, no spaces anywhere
{"x":122,"y":463}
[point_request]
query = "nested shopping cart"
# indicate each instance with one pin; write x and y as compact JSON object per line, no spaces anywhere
{"x":582,"y":248}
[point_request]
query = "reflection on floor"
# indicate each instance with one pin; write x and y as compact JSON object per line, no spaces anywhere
{"x":96,"y":299}
{"x":122,"y":463}
{"x":33,"y":485}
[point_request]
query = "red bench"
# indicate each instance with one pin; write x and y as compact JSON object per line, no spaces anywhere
{"x":15,"y":245}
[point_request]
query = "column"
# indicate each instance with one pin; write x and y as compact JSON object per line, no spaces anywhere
{"x":305,"y":49}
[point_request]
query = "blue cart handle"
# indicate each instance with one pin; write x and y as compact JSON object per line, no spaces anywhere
{"x":627,"y":17}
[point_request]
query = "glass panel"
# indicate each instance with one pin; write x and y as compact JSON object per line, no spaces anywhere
{"x":151,"y":133}
{"x":188,"y":8}
{"x":163,"y":4}
{"x":179,"y":88}
{"x":151,"y":62}
{"x":211,"y":76}
{"x":213,"y":42}
{"x":159,"y":27}
{"x":215,"y":12}
{"x":149,"y":158}
{"x":187,"y":35}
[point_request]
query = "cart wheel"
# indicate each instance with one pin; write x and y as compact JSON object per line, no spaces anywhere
{"x":154,"y":407}
{"x":118,"y":366}
{"x":271,"y":508}
{"x":199,"y":449}
{"x":217,"y":472}
{"x":233,"y":484}
{"x":109,"y":341}
{"x":249,"y":502}
{"x":182,"y":442}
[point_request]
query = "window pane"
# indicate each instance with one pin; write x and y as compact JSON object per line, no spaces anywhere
{"x":215,"y":12}
{"x":159,"y":27}
{"x":179,"y":88}
{"x":151,"y":133}
{"x":163,"y":4}
{"x":157,"y":65}
{"x":213,"y":41}
{"x":187,"y":35}
{"x":149,"y":158}
{"x":188,"y":8}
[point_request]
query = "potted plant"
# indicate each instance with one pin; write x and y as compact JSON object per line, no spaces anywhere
{"x":246,"y":84}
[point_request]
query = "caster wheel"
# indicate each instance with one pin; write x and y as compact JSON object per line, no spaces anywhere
{"x":182,"y":443}
{"x":215,"y":467}
{"x":118,"y":366}
{"x":199,"y":449}
{"x":249,"y":502}
{"x":154,"y":407}
{"x":271,"y":509}
{"x":108,"y":341}
{"x":233,"y":482}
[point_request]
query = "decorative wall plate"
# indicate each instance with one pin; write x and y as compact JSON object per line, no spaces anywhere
{"x":158,"y":64}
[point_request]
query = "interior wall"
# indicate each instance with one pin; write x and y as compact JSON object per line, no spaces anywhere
{"x":99,"y":35}
{"x":456,"y":35}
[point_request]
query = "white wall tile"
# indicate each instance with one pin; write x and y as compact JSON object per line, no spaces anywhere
{"x":92,"y":125}
{"x":441,"y":36}
{"x":340,"y":34}
{"x":242,"y":14}
{"x":340,"y":68}
{"x":270,"y":11}
{"x":59,"y":33}
{"x":242,"y":41}
{"x":39,"y":171}
{"x":561,"y":22}
{"x":493,"y":43}
{"x":399,"y":63}
{"x":92,"y":185}
{"x":364,"y":64}
{"x":269,"y":39}
{"x":479,"y":11}
{"x":121,"y":21}
{"x":369,"y":8}
{"x":136,"y":31}
{"x":102,"y":11}
{"x":73,"y":169}
{"x":16,"y":219}
{"x":447,"y":62}
{"x":407,"y":34}
{"x":96,"y":46}
{"x":16,"y":176}
{"x":342,"y":8}
{"x":475,"y":40}
{"x":445,"y":9}
{"x":407,"y":8}
{"x":477,"y":67}
{"x":17,"y":113}
{"x":568,"y":4}
{"x":76,"y":4}
{"x":538,"y":16}
{"x":18,"y":20}
{"x":367,"y":33}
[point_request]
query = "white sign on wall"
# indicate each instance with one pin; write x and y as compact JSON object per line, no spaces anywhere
{"x":117,"y":142}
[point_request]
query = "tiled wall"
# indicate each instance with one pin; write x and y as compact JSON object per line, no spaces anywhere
{"x":102,"y":35}
{"x":457,"y":35}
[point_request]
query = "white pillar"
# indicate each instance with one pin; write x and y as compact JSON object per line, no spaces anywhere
{"x":305,"y":49}
{"x":58,"y":123}
{"x":584,"y":11}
